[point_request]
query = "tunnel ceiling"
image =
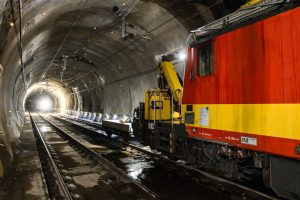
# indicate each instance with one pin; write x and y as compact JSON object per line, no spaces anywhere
{"x":87,"y":36}
{"x":104,"y":71}
{"x":88,"y":32}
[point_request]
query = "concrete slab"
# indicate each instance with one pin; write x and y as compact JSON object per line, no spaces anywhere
{"x":28,"y":183}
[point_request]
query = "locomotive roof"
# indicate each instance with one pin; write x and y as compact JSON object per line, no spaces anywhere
{"x":242,"y":17}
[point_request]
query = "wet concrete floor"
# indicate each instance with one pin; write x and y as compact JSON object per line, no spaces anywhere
{"x":167,"y":182}
{"x":86,"y":178}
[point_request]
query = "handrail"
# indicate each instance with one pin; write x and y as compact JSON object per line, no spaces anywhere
{"x":241,"y":15}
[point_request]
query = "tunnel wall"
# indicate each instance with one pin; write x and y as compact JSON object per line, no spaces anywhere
{"x":122,"y":97}
{"x":46,"y":24}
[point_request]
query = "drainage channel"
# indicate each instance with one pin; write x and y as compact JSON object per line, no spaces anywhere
{"x":73,"y":171}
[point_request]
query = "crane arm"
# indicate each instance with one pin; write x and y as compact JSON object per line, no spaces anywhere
{"x":168,"y":71}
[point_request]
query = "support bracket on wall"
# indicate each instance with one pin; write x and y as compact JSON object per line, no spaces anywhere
{"x":129,"y":30}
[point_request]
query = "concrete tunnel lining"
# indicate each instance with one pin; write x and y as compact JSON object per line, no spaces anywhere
{"x":105,"y":73}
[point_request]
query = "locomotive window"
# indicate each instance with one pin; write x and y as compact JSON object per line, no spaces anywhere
{"x":205,"y":60}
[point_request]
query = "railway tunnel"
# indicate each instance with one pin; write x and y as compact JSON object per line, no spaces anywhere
{"x":88,"y":57}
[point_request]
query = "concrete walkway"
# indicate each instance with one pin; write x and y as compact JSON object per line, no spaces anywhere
{"x":28,"y":182}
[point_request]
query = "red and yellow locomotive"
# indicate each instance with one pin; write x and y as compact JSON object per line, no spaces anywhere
{"x":242,"y":89}
{"x":241,"y":98}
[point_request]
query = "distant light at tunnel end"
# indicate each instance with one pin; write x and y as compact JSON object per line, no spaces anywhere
{"x":44,"y":104}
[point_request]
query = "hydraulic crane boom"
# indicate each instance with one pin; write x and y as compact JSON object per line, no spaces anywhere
{"x":168,"y":71}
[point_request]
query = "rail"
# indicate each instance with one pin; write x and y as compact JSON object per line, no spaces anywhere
{"x":101,"y":159}
{"x":62,"y":185}
{"x":249,"y":191}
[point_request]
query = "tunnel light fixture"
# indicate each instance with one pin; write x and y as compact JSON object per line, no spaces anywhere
{"x":95,"y":28}
{"x":182,"y":55}
{"x":11,"y":24}
{"x":44,"y":14}
{"x":123,"y":3}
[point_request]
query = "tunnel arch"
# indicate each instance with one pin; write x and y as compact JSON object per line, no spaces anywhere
{"x":60,"y":94}
{"x":105,"y":72}
{"x":40,"y":101}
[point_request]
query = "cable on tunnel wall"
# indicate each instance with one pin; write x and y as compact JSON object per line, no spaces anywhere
{"x":94,"y":35}
{"x":113,"y":54}
{"x":122,"y":79}
{"x":65,"y":39}
{"x":98,"y":34}
{"x":19,"y":35}
{"x":159,"y":26}
{"x":116,"y":52}
{"x":76,"y":78}
{"x":133,"y":42}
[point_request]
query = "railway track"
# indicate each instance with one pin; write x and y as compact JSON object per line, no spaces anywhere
{"x":75,"y":171}
{"x":166,"y":184}
{"x":198,"y":178}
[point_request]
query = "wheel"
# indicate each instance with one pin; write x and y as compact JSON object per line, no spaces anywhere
{"x":180,"y":148}
{"x":266,"y":177}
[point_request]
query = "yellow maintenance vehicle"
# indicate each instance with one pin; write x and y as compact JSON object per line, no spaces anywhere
{"x":158,"y":116}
